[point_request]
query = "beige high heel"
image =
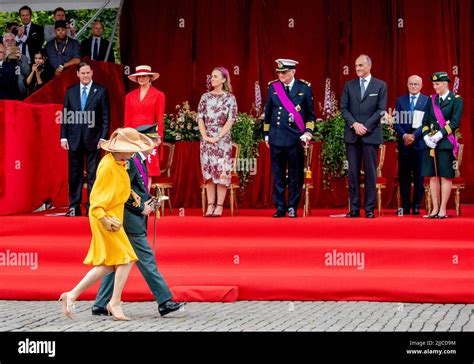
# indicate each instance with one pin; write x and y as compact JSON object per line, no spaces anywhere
{"x":114,"y":316}
{"x":68,"y":305}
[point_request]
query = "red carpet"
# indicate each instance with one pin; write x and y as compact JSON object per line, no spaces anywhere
{"x":255,"y":257}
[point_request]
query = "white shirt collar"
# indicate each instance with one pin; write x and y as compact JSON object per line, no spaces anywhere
{"x":142,"y":156}
{"x":88,"y":86}
{"x":445,"y":95}
{"x":290,"y":85}
{"x":98,"y":38}
{"x":368,"y":78}
{"x":416,"y":95}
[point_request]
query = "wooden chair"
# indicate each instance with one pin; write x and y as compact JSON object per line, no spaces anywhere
{"x":164,"y":182}
{"x":308,"y":181}
{"x":459,"y":184}
{"x":380,"y":183}
{"x":232,"y":188}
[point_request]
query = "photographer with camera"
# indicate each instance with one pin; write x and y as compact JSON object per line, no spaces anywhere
{"x":18,"y":60}
{"x":40,"y":73}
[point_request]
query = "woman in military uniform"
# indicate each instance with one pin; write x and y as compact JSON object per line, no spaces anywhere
{"x":442,"y":118}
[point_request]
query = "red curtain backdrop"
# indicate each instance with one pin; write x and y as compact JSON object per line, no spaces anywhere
{"x":185,"y":39}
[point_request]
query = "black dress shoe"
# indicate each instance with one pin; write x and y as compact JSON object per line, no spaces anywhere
{"x":370,"y":215}
{"x":416,"y":211}
{"x":74,"y":211}
{"x":279,"y":213}
{"x":292,"y":212}
{"x":99,"y":311}
{"x":169,"y":306}
{"x":353,"y":213}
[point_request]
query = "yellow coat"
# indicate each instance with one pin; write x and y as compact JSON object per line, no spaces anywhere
{"x":110,"y":192}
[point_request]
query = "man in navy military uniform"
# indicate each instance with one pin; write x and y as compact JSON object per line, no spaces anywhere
{"x":135,"y":224}
{"x":410,"y":144}
{"x":289,"y":120}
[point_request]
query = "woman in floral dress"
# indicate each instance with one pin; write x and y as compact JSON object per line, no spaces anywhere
{"x":217,"y":111}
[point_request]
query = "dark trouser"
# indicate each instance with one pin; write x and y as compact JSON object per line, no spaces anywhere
{"x":410,"y":162}
{"x":147,"y":265}
{"x":76,"y":172}
{"x":293,"y":159}
{"x":356,"y":152}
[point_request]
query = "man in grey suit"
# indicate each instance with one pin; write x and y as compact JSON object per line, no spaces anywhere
{"x":363,"y":103}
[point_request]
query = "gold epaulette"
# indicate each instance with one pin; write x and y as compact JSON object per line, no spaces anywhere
{"x":306,"y":82}
{"x":272,"y":82}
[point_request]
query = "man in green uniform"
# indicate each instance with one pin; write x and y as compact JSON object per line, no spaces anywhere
{"x":442,"y":118}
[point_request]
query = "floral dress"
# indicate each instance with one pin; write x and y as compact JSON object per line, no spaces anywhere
{"x":216,"y":159}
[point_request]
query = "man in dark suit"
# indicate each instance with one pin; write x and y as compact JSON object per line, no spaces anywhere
{"x":85,"y":125}
{"x":363,"y":102}
{"x":8,"y":77}
{"x":135,"y":219}
{"x":96,"y":46}
{"x":30,"y":36}
{"x":410,"y":144}
{"x":289,"y":119}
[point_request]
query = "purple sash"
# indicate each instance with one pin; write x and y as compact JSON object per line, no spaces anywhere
{"x":442,"y":123}
{"x":289,"y":106}
{"x":138,"y":163}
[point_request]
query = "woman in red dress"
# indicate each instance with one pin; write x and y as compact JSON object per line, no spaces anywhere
{"x":146,"y":105}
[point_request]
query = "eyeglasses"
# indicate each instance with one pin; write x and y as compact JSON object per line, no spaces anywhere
{"x":414,"y":84}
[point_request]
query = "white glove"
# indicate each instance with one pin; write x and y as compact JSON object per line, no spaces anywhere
{"x":429,"y":141}
{"x":305,"y":138}
{"x":437,"y":137}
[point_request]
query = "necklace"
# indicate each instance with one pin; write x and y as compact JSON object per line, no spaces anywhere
{"x":64,"y":48}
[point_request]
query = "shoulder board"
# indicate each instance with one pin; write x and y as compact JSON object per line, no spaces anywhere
{"x":306,"y":82}
{"x":457,"y":96}
{"x":272,"y":82}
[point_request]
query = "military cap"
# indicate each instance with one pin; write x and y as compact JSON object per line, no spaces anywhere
{"x":440,"y":77}
{"x":149,"y":130}
{"x":60,"y":24}
{"x":285,"y":64}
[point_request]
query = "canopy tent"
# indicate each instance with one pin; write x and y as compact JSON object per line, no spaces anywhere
{"x":7,"y":6}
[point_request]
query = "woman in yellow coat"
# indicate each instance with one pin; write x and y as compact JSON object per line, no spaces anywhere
{"x":110,"y":249}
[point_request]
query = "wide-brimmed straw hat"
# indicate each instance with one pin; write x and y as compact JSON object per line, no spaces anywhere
{"x":143,"y":70}
{"x":127,"y":140}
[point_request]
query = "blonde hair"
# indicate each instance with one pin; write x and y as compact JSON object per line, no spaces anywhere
{"x":225,"y":73}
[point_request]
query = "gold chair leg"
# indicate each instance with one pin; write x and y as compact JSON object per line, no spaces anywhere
{"x":379,"y":200}
{"x":231,"y":201}
{"x":168,"y":193}
{"x":203,"y":199}
{"x":306,"y":200}
{"x":236,"y":205}
{"x":457,"y":201}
